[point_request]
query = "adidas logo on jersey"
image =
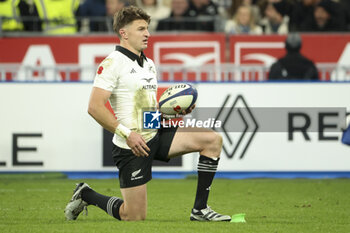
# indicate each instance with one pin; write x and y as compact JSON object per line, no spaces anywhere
{"x":133,"y":71}
{"x":151,"y":69}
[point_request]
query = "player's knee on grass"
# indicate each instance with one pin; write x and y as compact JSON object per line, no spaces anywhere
{"x":134,"y":217}
{"x":133,"y":213}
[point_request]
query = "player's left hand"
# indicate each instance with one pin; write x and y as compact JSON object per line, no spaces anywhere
{"x":184,"y":112}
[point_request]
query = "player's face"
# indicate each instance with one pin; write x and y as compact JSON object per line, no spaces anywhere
{"x":137,"y":35}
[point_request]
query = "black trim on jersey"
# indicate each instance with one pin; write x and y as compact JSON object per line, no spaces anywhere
{"x":131,"y":55}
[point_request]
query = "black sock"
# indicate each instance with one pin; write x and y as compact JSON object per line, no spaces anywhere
{"x":109,"y":204}
{"x":206,"y":172}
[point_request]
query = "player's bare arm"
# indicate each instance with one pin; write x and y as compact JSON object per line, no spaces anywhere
{"x":98,"y":110}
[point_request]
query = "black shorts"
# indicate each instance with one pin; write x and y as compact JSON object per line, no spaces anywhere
{"x":135,"y":171}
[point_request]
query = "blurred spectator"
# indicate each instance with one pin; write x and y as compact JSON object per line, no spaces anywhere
{"x":112,"y":7}
{"x":203,"y":7}
{"x":155,"y":9}
{"x":10,"y":15}
{"x":205,"y":11}
{"x":302,"y":14}
{"x":179,"y":19}
{"x":94,"y":10}
{"x":100,"y":13}
{"x":345,"y":4}
{"x":166,"y":3}
{"x":243,"y":22}
{"x":276,"y":19}
{"x":29,"y":15}
{"x":237,"y":3}
{"x":293,"y":66}
{"x":328,"y":16}
{"x":57,"y":16}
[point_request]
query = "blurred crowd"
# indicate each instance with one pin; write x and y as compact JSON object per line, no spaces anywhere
{"x":231,"y":16}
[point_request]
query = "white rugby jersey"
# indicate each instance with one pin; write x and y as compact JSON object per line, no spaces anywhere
{"x":132,"y":81}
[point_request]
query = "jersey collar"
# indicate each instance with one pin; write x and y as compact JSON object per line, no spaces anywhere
{"x":131,"y":55}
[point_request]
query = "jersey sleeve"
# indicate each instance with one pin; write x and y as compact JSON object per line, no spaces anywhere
{"x":106,"y":76}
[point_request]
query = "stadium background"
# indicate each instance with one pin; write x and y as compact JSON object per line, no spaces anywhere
{"x":46,"y":83}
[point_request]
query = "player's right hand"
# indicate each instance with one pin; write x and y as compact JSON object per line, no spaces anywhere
{"x":137,"y":144}
{"x":188,"y":111}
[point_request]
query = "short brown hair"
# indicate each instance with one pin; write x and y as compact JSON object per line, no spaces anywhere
{"x":128,"y":15}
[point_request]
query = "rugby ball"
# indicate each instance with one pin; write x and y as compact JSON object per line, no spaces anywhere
{"x":177,"y":98}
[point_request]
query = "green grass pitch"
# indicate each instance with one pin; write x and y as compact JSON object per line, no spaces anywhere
{"x":35,"y":203}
